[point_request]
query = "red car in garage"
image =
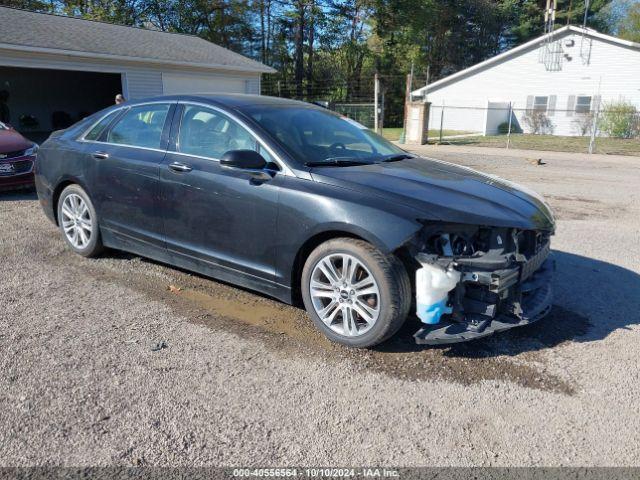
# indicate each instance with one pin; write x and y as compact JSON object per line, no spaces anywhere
{"x":17,"y":157}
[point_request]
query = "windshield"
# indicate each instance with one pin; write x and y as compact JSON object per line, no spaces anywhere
{"x":315,"y":137}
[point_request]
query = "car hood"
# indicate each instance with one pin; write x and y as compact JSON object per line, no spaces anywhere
{"x":441,"y":191}
{"x":12,"y":141}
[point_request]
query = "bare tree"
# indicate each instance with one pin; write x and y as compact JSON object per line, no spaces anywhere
{"x":538,"y":122}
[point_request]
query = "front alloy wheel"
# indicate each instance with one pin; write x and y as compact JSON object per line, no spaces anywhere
{"x":355,"y":294}
{"x":345,"y":295}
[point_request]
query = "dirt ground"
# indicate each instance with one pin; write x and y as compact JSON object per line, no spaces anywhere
{"x":123,"y":361}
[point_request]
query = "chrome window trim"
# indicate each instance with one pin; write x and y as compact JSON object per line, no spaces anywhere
{"x":161,"y":150}
{"x":284,"y":168}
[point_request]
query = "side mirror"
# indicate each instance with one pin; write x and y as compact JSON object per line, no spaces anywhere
{"x":245,"y":159}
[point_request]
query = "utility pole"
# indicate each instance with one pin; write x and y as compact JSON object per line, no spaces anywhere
{"x":509,"y":130}
{"x":441,"y":121}
{"x":381,"y":121}
{"x":426,"y":84}
{"x":426,"y":104}
{"x":407,"y":107}
{"x":410,"y":81}
{"x":376,"y":89}
{"x":594,"y":126}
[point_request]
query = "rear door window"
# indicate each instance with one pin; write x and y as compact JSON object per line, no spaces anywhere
{"x":99,"y":127}
{"x":141,"y":126}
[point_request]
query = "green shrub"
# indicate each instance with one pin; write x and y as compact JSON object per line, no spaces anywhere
{"x":503,"y":128}
{"x":619,"y":119}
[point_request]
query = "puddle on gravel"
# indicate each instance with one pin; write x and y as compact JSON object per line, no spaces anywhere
{"x":400,"y":357}
{"x":268,"y":315}
{"x":509,"y":357}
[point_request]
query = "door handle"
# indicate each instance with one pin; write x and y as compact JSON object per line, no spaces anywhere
{"x":179,"y":167}
{"x":100,"y":155}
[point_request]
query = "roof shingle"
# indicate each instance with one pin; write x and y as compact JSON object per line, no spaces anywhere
{"x":41,"y":30}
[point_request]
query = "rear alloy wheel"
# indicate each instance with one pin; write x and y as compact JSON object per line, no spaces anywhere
{"x":78,"y":221}
{"x":354,"y":294}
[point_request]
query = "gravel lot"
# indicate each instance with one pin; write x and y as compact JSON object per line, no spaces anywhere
{"x":245,"y":380}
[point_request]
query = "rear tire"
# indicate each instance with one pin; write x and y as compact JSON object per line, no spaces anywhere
{"x":355,"y":295}
{"x":78,"y":222}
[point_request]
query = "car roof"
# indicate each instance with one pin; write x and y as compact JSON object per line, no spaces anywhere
{"x":230,"y":100}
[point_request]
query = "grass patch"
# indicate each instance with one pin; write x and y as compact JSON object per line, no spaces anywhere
{"x":394,"y":133}
{"x":610,"y":146}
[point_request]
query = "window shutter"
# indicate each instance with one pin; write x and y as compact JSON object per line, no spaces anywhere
{"x":551,"y":106}
{"x":571,"y":105}
{"x":529,"y":104}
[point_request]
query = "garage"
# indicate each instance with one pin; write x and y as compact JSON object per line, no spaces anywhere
{"x":42,"y":100}
{"x":55,"y":70}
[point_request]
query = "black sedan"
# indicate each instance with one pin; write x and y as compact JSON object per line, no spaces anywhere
{"x":307,"y":206}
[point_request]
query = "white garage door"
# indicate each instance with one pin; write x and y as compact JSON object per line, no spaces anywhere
{"x":183,"y":83}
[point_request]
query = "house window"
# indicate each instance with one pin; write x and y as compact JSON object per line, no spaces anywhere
{"x":540,"y":104}
{"x":583,"y":104}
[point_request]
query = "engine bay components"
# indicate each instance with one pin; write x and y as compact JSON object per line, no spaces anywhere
{"x":433,"y":284}
{"x":470,"y":284}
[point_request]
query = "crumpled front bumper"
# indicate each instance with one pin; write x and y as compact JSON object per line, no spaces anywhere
{"x":536,"y":303}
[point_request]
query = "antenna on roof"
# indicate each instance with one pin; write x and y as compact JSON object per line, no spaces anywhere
{"x":550,"y":16}
{"x":585,"y":44}
{"x":586,"y":14}
{"x":551,"y":51}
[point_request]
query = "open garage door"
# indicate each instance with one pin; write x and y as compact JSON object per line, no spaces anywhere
{"x":43,"y":100}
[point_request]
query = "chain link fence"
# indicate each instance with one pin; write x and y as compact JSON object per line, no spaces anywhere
{"x":606,"y":128}
{"x":352,"y":98}
{"x":586,"y":125}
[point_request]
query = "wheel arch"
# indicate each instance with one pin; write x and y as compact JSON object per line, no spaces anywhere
{"x":338,"y":231}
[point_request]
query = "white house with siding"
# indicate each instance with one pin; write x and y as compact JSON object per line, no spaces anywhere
{"x":57,"y":68}
{"x":565,"y":75}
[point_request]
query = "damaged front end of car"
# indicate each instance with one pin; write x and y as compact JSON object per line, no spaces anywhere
{"x":473,"y":281}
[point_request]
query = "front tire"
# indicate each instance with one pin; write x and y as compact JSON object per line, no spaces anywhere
{"x":355,"y":295}
{"x":78,"y":222}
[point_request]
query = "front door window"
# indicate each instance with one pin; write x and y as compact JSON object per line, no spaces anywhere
{"x":208,"y":133}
